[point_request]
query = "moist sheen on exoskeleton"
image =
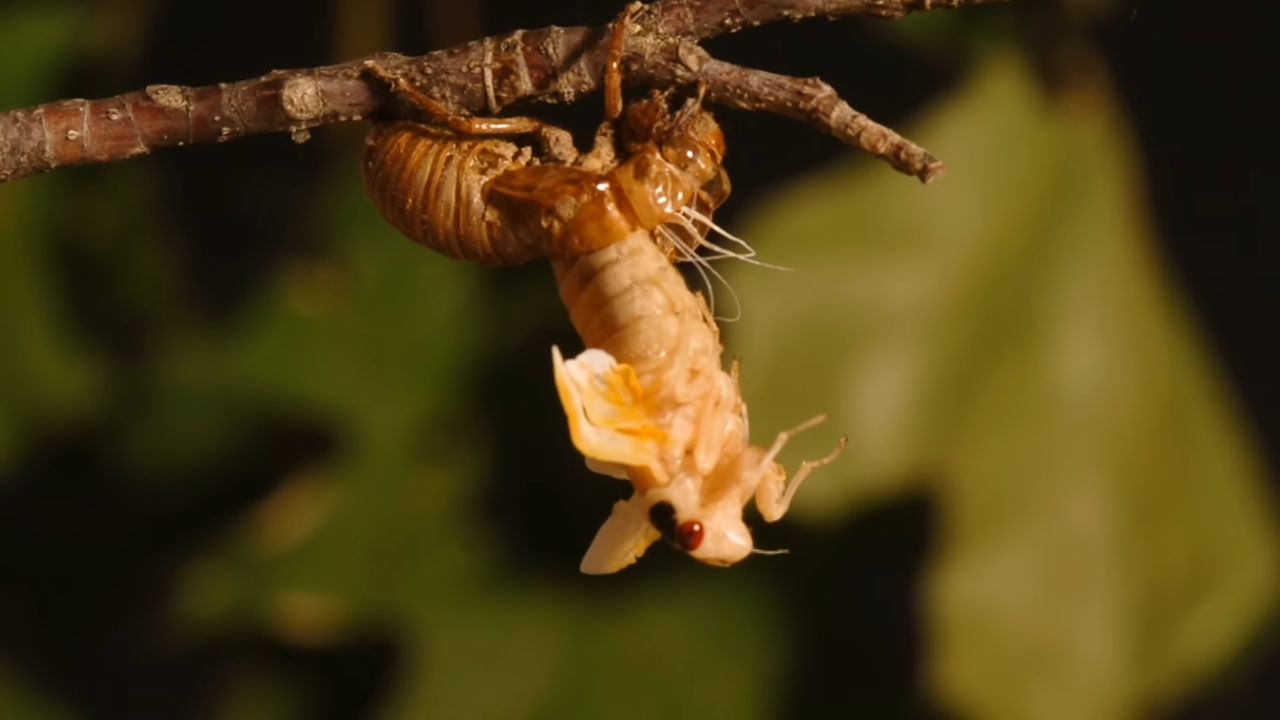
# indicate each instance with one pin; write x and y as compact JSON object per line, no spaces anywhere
{"x":488,"y":200}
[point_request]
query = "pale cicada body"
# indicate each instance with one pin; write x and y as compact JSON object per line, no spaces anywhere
{"x":649,"y":402}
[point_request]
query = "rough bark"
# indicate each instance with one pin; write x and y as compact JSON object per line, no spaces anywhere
{"x":548,"y":65}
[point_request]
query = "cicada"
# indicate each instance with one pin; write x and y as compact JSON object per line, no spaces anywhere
{"x":648,"y":400}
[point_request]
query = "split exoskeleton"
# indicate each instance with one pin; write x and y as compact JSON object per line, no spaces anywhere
{"x":488,"y":200}
{"x":648,"y":401}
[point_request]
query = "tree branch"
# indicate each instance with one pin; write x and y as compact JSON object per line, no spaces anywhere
{"x":548,"y":65}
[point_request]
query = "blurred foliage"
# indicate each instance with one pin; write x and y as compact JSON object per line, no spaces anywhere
{"x":212,"y":510}
{"x":53,"y":378}
{"x":383,"y":532}
{"x":1006,"y":342}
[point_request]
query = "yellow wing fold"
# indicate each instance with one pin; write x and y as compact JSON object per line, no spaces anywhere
{"x":609,"y":420}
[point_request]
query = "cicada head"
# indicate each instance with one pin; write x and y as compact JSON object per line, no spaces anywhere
{"x":696,"y":511}
{"x":701,"y":516}
{"x":705,"y":526}
{"x":717,"y":538}
{"x":708,"y":529}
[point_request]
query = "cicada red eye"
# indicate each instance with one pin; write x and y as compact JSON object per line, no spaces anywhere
{"x":689,"y":535}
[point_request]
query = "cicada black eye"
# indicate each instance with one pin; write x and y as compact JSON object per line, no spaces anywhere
{"x":686,"y":536}
{"x":662,"y":515}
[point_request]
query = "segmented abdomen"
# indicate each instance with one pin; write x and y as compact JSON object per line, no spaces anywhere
{"x":629,"y":301}
{"x":430,"y":184}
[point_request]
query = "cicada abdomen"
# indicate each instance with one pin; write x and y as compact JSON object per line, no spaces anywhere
{"x":432,"y":184}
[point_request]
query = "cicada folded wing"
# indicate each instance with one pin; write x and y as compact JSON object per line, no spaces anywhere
{"x":609,"y":420}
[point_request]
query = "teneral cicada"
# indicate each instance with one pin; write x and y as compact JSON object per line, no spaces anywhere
{"x":649,"y":402}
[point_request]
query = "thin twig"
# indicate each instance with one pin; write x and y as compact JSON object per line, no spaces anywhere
{"x":548,"y":65}
{"x":807,"y":100}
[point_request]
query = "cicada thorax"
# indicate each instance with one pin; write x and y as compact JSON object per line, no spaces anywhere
{"x":673,"y":175}
{"x":560,"y":211}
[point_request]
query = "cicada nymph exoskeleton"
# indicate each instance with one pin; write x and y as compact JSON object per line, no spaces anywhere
{"x":451,"y":185}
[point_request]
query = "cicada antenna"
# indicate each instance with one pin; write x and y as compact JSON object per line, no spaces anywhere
{"x":747,"y":254}
{"x":780,"y":551}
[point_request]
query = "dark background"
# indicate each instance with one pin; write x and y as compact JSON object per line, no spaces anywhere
{"x":1196,"y":79}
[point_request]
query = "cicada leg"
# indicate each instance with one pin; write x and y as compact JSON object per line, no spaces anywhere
{"x":603,"y":154}
{"x":442,"y":114}
{"x":609,"y":420}
{"x":613,"y":64}
{"x":774,"y":494}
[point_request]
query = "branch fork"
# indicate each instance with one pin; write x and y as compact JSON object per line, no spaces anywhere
{"x":547,"y":65}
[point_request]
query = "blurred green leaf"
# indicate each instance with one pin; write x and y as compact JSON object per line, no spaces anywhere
{"x":19,"y":699}
{"x":39,"y":39}
{"x":50,"y":377}
{"x":1008,"y":336}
